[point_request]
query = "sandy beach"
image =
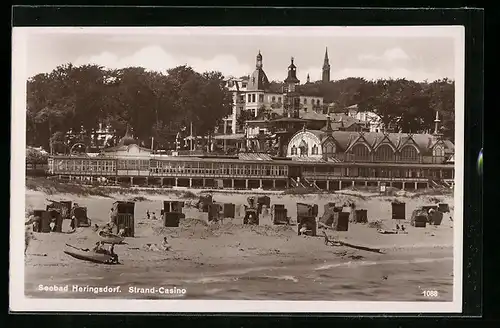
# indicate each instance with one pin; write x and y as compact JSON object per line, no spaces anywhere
{"x":235,"y":261}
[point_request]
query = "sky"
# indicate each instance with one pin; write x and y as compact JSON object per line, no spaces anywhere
{"x":363,"y":52}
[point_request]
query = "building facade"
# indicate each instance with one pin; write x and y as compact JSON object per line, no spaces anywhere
{"x":253,"y":93}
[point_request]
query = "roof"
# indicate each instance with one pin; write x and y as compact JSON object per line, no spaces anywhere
{"x":124,"y":148}
{"x":338,"y":121}
{"x":345,"y":139}
{"x":254,"y":157}
{"x":258,"y":80}
{"x":289,"y":119}
{"x":313,"y":116}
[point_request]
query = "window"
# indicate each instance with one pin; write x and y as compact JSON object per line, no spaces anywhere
{"x":242,"y":98}
{"x":244,"y":85}
{"x":361,"y":152}
{"x":317,"y":102}
{"x":294,"y":150}
{"x":273,"y":99}
{"x":409,"y":154}
{"x":315,"y":150}
{"x":438,"y":151}
{"x":261,"y":98}
{"x":304,"y":149}
{"x":329,"y":149}
{"x":305,"y":101}
{"x":249,"y":98}
{"x":279,"y":99}
{"x":384,"y":153}
{"x":253,"y":97}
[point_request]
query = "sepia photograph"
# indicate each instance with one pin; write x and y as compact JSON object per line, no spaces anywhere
{"x":237,"y":169}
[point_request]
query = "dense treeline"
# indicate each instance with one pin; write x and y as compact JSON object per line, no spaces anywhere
{"x":152,"y":104}
{"x":159,"y":105}
{"x":406,"y":105}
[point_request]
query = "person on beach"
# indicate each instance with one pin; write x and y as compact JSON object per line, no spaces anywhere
{"x":113,"y":254}
{"x":99,"y":248}
{"x":165,"y":245}
{"x":154,"y":216}
{"x":121,"y":232}
{"x":28,"y":236}
{"x":52,"y":225}
{"x":148,"y":215}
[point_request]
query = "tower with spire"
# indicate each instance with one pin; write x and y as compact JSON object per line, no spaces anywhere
{"x":326,"y":68}
{"x":258,"y":80}
{"x":292,"y":99}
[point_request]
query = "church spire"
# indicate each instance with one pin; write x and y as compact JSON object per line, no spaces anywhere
{"x":308,"y":78}
{"x":326,"y":68}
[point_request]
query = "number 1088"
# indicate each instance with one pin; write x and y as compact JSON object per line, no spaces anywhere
{"x":430,"y":293}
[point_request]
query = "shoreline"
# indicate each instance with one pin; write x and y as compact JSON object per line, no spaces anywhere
{"x":251,"y":262}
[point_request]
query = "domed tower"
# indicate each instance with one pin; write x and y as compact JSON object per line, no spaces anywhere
{"x":292,"y":99}
{"x":258,"y":80}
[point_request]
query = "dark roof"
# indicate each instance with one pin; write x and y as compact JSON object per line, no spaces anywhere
{"x":345,"y":139}
{"x":289,"y":119}
{"x":258,"y":80}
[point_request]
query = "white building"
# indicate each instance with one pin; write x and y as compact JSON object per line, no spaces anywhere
{"x":374,"y":120}
{"x":252,"y":93}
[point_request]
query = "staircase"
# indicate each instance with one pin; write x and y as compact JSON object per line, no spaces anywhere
{"x":439,"y":184}
{"x":307,"y":184}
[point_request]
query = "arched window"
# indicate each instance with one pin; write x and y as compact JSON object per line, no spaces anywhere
{"x":305,"y":101}
{"x":317,"y":102}
{"x":303,"y":148}
{"x":438,"y":151}
{"x":384,"y":153}
{"x":361,"y":152}
{"x":315,"y":150}
{"x":294,"y":150}
{"x":409,"y":154}
{"x":273,"y":99}
{"x":329,"y":149}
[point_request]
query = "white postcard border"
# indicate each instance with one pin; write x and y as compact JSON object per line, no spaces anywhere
{"x":19,"y":302}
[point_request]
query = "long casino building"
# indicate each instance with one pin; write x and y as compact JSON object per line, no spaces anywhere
{"x":325,"y":159}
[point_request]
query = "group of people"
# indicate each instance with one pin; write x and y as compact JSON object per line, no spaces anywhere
{"x":100,"y":249}
{"x":150,"y":215}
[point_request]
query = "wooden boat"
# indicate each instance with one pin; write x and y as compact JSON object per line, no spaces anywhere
{"x":88,"y":255}
{"x":110,"y":238}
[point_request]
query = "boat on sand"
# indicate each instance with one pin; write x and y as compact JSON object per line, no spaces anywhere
{"x":89,"y":255}
{"x":110,"y":238}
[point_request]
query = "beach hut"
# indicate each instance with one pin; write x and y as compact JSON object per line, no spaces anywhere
{"x":80,"y":213}
{"x":170,"y":206}
{"x":310,"y":225}
{"x":251,"y":216}
{"x":341,"y":221}
{"x":172,"y":219}
{"x":435,"y":218}
{"x":398,"y":211}
{"x":279,"y":214}
{"x":43,"y":218}
{"x":361,"y":216}
{"x":204,"y":202}
{"x":124,"y":217}
{"x":263,"y":200}
{"x":419,"y":218}
{"x":214,"y":210}
{"x":229,"y":210}
{"x":443,"y":208}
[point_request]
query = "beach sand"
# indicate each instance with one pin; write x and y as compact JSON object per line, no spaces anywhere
{"x":235,"y":261}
